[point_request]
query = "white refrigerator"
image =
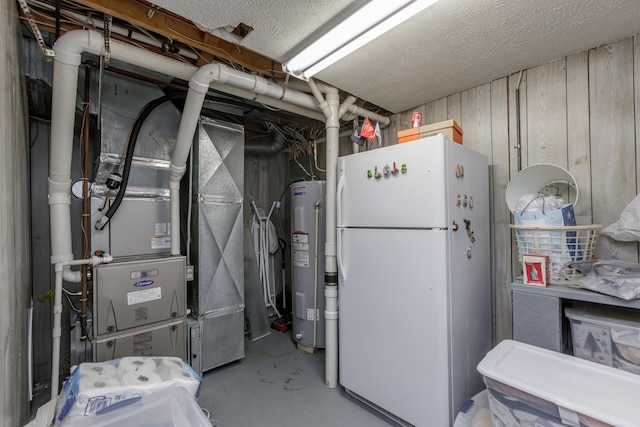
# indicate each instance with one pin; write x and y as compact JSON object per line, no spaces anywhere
{"x":414,"y":278}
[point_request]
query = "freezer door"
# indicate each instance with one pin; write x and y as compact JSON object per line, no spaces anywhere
{"x":410,"y":195}
{"x":393,"y":346}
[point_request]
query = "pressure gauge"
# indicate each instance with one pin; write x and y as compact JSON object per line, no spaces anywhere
{"x":76,"y":188}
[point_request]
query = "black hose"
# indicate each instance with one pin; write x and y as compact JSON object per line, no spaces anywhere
{"x":131,"y":146}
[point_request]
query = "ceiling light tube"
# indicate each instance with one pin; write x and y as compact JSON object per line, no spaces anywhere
{"x":372,"y":20}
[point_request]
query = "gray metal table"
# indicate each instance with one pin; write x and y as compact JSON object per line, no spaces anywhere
{"x":538,"y":317}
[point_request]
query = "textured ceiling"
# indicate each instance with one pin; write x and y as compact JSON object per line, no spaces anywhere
{"x":451,"y":46}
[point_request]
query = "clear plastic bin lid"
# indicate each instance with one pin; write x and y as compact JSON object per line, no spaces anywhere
{"x":575,"y":385}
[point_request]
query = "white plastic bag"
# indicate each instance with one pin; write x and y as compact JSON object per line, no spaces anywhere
{"x":613,"y":277}
{"x":627,"y":227}
{"x":538,"y":203}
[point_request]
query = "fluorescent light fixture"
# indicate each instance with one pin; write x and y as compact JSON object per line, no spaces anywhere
{"x":372,"y":20}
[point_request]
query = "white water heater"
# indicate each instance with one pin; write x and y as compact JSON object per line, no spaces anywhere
{"x":308,"y":210}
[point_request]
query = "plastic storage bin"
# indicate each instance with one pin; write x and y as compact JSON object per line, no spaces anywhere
{"x":474,"y":412}
{"x":606,"y":335}
{"x":94,"y":386}
{"x":173,"y":407}
{"x":531,"y":386}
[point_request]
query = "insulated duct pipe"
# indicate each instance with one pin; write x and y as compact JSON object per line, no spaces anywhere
{"x":274,"y":145}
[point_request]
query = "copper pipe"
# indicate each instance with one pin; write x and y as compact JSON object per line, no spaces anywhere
{"x":85,"y":199}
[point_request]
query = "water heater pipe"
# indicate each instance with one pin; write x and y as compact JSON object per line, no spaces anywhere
{"x":315,"y":276}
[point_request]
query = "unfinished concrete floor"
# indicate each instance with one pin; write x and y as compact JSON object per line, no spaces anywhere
{"x":278,"y":385}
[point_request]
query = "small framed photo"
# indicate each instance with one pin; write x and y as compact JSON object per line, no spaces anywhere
{"x":535,"y":269}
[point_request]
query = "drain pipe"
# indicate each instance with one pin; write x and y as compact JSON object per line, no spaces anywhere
{"x":57,"y":314}
{"x":65,"y":82}
{"x":359,"y":111}
{"x":343,"y":109}
{"x":333,"y":111}
{"x":330,"y":107}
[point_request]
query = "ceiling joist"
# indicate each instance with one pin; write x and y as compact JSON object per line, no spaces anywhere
{"x":149,"y":17}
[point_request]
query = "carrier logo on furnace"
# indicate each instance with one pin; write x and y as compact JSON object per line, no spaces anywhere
{"x":143,"y":283}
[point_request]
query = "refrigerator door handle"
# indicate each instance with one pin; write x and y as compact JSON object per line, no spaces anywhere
{"x":339,"y":199}
{"x":339,"y":256}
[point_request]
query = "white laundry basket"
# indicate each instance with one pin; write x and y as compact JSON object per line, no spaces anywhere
{"x":561,"y":244}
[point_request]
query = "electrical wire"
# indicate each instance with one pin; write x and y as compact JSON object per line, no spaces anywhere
{"x":73,"y":307}
{"x":298,"y":143}
{"x":76,"y":294}
{"x":130,"y":148}
{"x":189,"y":203}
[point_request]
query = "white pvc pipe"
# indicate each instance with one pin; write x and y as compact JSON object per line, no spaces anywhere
{"x":65,"y":82}
{"x":354,"y":109}
{"x":56,"y":331}
{"x":331,"y":267}
{"x":333,"y":111}
{"x":330,"y":107}
{"x":348,"y":102}
{"x":186,"y":130}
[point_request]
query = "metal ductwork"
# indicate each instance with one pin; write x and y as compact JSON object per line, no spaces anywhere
{"x":271,"y":144}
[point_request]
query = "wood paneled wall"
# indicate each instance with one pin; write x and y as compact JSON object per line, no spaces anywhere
{"x":15,"y":259}
{"x":580,"y":112}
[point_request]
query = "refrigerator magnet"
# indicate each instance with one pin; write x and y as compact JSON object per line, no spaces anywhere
{"x":395,"y":170}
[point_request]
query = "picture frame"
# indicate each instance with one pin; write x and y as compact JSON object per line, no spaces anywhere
{"x":535,"y":270}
